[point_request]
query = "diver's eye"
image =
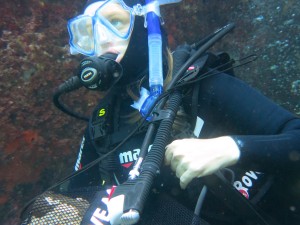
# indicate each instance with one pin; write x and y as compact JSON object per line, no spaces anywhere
{"x":118,"y":18}
{"x":118,"y":24}
{"x":121,"y":24}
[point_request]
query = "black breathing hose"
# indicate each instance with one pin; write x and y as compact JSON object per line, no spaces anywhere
{"x":69,"y":85}
{"x":216,"y":36}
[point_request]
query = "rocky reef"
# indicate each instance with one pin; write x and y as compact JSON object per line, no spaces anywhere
{"x":268,"y":29}
{"x":39,"y":143}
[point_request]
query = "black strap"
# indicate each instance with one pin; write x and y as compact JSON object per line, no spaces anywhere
{"x":195,"y":100}
{"x":263,"y":190}
{"x":100,"y":123}
{"x":224,"y":191}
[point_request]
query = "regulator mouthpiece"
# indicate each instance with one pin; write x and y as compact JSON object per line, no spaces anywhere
{"x":99,"y":73}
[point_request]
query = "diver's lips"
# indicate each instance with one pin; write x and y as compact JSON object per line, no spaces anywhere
{"x":112,"y":54}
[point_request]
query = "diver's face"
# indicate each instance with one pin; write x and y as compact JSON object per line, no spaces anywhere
{"x":104,"y":27}
{"x":119,"y":18}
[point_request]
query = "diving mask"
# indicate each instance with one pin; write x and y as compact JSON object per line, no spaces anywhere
{"x":105,"y":26}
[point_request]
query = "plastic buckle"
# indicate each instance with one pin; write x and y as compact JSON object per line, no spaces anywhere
{"x":162,"y":114}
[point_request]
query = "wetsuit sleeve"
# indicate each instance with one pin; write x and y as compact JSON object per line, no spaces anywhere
{"x":268,"y":135}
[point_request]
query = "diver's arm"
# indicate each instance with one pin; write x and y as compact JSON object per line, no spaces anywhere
{"x":270,"y":152}
{"x":268,"y":135}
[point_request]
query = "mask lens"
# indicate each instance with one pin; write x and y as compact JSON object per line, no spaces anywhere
{"x":103,"y":22}
{"x":81,"y":32}
{"x":116,"y":18}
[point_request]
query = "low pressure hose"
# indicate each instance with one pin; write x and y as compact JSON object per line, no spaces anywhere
{"x":69,"y":85}
{"x":180,"y":56}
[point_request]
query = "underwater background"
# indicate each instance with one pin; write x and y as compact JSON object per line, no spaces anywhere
{"x":38,"y":143}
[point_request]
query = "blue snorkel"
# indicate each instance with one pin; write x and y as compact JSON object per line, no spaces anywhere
{"x":152,"y":20}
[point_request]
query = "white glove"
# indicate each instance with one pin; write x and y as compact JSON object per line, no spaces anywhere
{"x":192,"y":158}
{"x":106,"y":210}
{"x":115,"y":208}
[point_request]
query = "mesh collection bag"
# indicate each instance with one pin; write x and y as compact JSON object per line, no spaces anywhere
{"x":50,"y":208}
{"x":59,"y":207}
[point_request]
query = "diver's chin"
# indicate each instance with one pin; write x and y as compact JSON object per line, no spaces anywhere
{"x":119,"y":58}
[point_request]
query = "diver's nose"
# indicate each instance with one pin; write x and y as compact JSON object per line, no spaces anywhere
{"x":103,"y":36}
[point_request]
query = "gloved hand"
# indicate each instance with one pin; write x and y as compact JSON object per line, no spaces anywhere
{"x":192,"y":158}
{"x":105,"y":210}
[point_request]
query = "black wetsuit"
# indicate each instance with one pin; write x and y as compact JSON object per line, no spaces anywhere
{"x":267,"y":135}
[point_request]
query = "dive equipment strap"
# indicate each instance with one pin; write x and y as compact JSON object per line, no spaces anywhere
{"x":209,"y":60}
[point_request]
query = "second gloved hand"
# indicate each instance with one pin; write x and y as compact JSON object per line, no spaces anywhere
{"x":105,"y":209}
{"x":192,"y":158}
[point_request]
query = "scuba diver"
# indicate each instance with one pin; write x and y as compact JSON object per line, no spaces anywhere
{"x":244,"y":147}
